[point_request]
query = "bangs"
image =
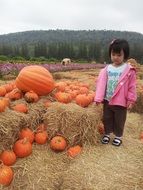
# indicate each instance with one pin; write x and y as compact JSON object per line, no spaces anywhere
{"x":116,"y":49}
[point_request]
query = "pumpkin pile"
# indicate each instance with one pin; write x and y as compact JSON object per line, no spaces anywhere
{"x":75,"y":91}
{"x":23,"y":148}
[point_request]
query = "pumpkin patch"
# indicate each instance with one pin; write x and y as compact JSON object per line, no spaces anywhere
{"x":57,"y":141}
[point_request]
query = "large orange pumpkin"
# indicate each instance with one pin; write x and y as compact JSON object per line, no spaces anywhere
{"x":6,"y":174}
{"x":35,"y":78}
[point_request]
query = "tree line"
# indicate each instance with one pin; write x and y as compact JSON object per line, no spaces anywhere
{"x":86,"y":51}
{"x":78,"y":45}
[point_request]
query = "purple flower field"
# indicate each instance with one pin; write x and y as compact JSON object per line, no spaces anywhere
{"x":10,"y":68}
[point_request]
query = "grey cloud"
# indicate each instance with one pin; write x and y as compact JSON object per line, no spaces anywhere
{"x":22,"y":15}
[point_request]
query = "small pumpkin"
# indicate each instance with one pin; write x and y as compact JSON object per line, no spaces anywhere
{"x":6,"y":174}
{"x":58,"y":143}
{"x":60,"y":86}
{"x":141,"y":135}
{"x":83,"y":90}
{"x":6,"y":101}
{"x":41,"y":137}
{"x":31,"y":96}
{"x":20,"y":108}
{"x":74,"y":151}
{"x":101,"y":128}
{"x":15,"y":94}
{"x":8,"y":157}
{"x":8,"y":87}
{"x":63,"y":97}
{"x":82,"y":100}
{"x":26,"y":133}
{"x":2,"y":106}
{"x":22,"y":148}
{"x":2,"y":91}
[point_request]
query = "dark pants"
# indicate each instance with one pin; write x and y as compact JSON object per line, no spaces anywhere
{"x":114,"y":118}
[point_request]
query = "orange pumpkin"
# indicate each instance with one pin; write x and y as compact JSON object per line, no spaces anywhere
{"x":73,"y":93}
{"x":41,"y":137}
{"x":74,"y":151}
{"x":141,"y":135}
{"x":6,"y":174}
{"x":20,"y":108}
{"x":8,"y":157}
{"x":101,"y":128}
{"x":82,"y":100}
{"x":27,"y":133}
{"x":31,"y":96}
{"x":2,"y":91}
{"x":58,"y":143}
{"x":35,"y":78}
{"x":8,"y":87}
{"x":63,"y":97}
{"x":2,"y":106}
{"x":22,"y":148}
{"x":83,"y":90}
{"x":60,"y":86}
{"x":6,"y":101}
{"x":15,"y":94}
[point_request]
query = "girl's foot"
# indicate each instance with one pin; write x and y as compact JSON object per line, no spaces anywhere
{"x":105,"y":139}
{"x":117,"y":141}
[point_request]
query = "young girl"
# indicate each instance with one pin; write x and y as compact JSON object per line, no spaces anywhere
{"x":116,"y":89}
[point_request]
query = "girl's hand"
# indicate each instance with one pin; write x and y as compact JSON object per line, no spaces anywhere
{"x":130,"y":106}
{"x":97,"y":103}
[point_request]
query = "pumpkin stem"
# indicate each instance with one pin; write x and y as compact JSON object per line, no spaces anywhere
{"x":25,"y":140}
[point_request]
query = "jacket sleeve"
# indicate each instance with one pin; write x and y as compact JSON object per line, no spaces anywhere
{"x":132,"y":94}
{"x":100,"y":86}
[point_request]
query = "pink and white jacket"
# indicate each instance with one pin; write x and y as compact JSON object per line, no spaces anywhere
{"x":125,"y":92}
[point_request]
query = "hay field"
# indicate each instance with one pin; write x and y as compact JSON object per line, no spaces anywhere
{"x":98,"y":167}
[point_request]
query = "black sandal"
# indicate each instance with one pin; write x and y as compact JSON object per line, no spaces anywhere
{"x":117,"y":142}
{"x":105,"y":139}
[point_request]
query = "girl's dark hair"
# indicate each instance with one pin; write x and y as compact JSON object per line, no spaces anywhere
{"x":119,"y":44}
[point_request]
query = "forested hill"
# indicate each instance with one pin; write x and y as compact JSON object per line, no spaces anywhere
{"x":51,"y":36}
{"x":82,"y":44}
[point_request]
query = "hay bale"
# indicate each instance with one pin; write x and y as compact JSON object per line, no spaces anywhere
{"x":78,"y":125}
{"x":11,"y":122}
{"x":42,"y":170}
{"x":103,"y":167}
{"x":107,"y":167}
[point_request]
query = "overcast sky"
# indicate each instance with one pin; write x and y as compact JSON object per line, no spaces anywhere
{"x":24,"y":15}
